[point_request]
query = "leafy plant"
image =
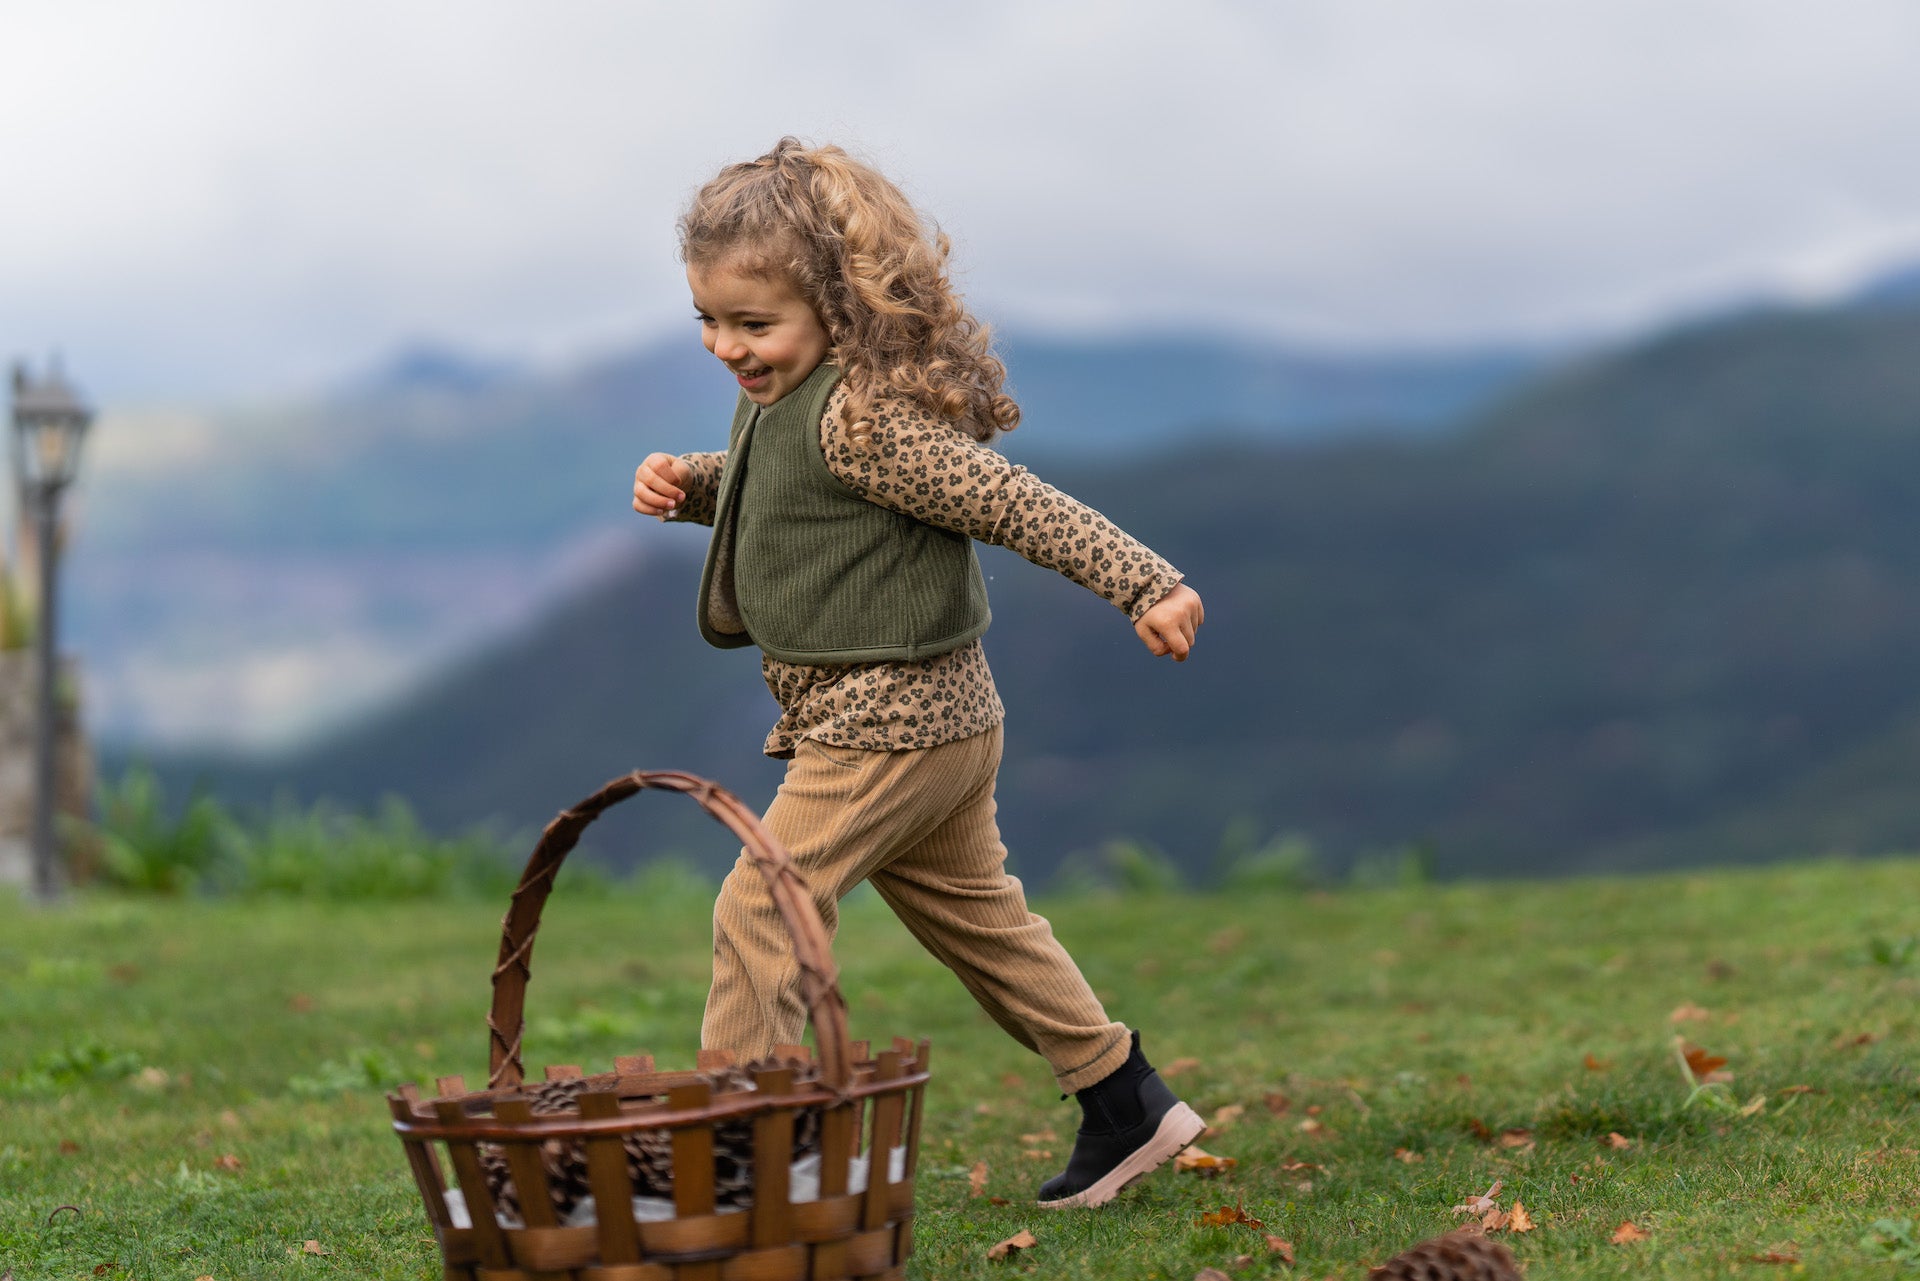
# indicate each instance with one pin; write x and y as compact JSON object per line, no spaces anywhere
{"x":144,"y":847}
{"x":1288,"y":862}
{"x":1895,"y":954}
{"x":86,"y":1060}
{"x":1140,"y":868}
{"x":1406,"y":867}
{"x":1125,"y":866}
{"x":1895,"y":1240}
{"x":328,"y":852}
{"x":669,"y":881}
{"x":361,"y":1069}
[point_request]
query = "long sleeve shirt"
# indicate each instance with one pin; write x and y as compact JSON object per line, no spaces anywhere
{"x":923,"y":467}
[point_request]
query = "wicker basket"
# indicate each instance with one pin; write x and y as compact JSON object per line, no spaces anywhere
{"x":870,"y":1105}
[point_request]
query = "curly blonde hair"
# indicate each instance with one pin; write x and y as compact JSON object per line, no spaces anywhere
{"x":855,"y":249}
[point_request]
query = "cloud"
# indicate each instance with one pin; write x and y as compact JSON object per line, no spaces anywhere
{"x":219,"y":198}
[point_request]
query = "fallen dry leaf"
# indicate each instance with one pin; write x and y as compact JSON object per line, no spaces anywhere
{"x":1615,"y":1139}
{"x":1038,"y":1154}
{"x":1242,"y":1261}
{"x":314,"y":1247}
{"x":1627,"y":1234}
{"x":1702,"y":1064}
{"x":1595,"y":1064}
{"x":1849,"y":1041}
{"x":1277,"y":1103}
{"x":1480,"y":1129}
{"x":1227,"y":941}
{"x":1021,"y":1240}
{"x":1494,"y":1219}
{"x":1407,"y":1156}
{"x":1228,"y":1216}
{"x":1689,"y":1013}
{"x":1011,"y":1080}
{"x":152,"y":1078}
{"x":229,"y":1162}
{"x":1518,"y":1137}
{"x":1801,"y":1089}
{"x":1754,"y":1106}
{"x":68,"y":1147}
{"x":1519,"y":1220}
{"x":1039,"y":1136}
{"x":1776,"y":1256}
{"x":1211,"y":1274}
{"x":1483,"y":1202}
{"x":977,"y":1178}
{"x":1282,"y":1248}
{"x":1179,"y":1067}
{"x":1311,"y":1125}
{"x":101,"y":1270}
{"x":1205,"y":1164}
{"x":300,"y":1003}
{"x":1223,"y":1119}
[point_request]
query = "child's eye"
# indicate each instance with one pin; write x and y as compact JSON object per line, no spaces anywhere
{"x":703,"y":317}
{"x":756,"y":326}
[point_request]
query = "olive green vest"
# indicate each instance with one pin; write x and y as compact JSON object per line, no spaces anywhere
{"x":812,"y":572}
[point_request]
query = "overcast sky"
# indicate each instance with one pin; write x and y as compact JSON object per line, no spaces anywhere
{"x":209,"y":199}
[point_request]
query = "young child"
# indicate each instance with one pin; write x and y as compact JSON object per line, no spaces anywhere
{"x":844,"y":509}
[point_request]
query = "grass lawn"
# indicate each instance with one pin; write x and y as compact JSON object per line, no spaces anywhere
{"x":192,"y":1077}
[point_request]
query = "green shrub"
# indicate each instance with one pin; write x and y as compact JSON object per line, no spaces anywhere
{"x":321,"y":851}
{"x":1125,"y":866}
{"x":326,"y":852}
{"x":143,"y":847}
{"x":360,"y":1071}
{"x":54,"y":1070}
{"x":1407,"y":867}
{"x":1287,"y":863}
{"x":672,"y":881}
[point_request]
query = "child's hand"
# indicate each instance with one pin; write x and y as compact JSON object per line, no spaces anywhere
{"x":660,"y":485}
{"x":1168,"y":627}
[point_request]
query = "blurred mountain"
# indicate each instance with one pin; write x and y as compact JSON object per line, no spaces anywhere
{"x":256,"y":576}
{"x":1659,"y":607}
{"x":1899,"y":288}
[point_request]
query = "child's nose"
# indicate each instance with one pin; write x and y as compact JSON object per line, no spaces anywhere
{"x":728,"y":347}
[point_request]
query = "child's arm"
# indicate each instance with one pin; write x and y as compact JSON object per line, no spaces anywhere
{"x":924,"y":468}
{"x":683,"y":488}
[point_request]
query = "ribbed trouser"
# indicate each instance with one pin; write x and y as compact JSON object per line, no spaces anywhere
{"x":920,"y":826}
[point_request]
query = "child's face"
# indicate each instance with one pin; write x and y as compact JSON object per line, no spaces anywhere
{"x":764,"y":332}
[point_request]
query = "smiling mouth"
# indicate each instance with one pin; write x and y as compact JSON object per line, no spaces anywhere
{"x":749,"y":375}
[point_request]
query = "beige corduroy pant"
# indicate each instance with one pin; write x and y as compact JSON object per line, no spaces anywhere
{"x":920,"y":825}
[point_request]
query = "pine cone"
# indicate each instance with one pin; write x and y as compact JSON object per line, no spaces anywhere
{"x":733,"y":1140}
{"x":565,"y":1163}
{"x":649,"y":1152}
{"x":1465,"y":1254}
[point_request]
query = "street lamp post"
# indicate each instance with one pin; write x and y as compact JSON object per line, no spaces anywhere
{"x":49,"y":422}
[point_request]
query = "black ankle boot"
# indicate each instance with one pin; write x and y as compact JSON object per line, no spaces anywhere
{"x":1133,"y":1125}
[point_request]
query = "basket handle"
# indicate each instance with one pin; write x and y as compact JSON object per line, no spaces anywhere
{"x":819,"y":977}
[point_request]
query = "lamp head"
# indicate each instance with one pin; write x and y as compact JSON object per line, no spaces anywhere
{"x":49,"y":422}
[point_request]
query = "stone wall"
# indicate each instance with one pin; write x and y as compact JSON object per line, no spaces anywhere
{"x":19,"y":692}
